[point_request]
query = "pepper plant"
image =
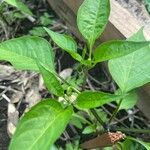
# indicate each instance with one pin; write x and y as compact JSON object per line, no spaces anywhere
{"x":128,"y":63}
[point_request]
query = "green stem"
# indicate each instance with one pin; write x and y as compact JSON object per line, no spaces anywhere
{"x":115,"y":112}
{"x":92,"y":110}
{"x":85,"y":71}
{"x":84,"y":52}
{"x":90,"y":47}
{"x":90,"y":53}
{"x":147,"y":131}
{"x":76,"y":90}
{"x":99,"y":119}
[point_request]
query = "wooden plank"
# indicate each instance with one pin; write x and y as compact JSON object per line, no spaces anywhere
{"x":121,"y":25}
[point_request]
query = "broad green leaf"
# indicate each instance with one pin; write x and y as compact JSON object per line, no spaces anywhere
{"x":129,"y":101}
{"x":51,"y":81}
{"x":22,"y":52}
{"x":41,"y":126}
{"x":145,"y":144}
{"x":90,"y":99}
{"x":65,"y":42}
{"x":133,"y":70}
{"x":92,"y":18}
{"x":20,"y":5}
{"x":117,"y":48}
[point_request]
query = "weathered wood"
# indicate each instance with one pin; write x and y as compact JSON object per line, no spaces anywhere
{"x":121,"y":25}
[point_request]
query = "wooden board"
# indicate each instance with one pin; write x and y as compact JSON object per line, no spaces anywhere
{"x":121,"y":25}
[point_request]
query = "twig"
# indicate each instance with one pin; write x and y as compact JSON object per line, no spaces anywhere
{"x":6,"y":98}
{"x":4,"y":24}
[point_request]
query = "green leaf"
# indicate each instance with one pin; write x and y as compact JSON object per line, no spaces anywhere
{"x":51,"y":81}
{"x":46,"y":20}
{"x":131,"y":145}
{"x":145,"y":144}
{"x":128,"y":144}
{"x":117,"y":48}
{"x":41,"y":126}
{"x":129,"y":101}
{"x":92,"y":18}
{"x":90,"y":99}
{"x":89,"y":129}
{"x":53,"y":147}
{"x":37,"y":31}
{"x":147,"y":5}
{"x":22,"y":52}
{"x":20,"y":5}
{"x":77,"y":120}
{"x":77,"y":123}
{"x":65,"y":42}
{"x":133,"y":70}
{"x":101,"y":114}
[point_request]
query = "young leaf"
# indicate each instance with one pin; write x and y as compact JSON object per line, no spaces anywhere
{"x":20,"y":5}
{"x":90,"y":99}
{"x":89,"y":129}
{"x":51,"y":81}
{"x":41,"y":126}
{"x":22,"y":52}
{"x":65,"y":42}
{"x":117,"y":48}
{"x":133,"y":70}
{"x":92,"y":18}
{"x":129,"y":101}
{"x":145,"y":144}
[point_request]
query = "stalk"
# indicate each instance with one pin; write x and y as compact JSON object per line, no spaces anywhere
{"x":115,"y":112}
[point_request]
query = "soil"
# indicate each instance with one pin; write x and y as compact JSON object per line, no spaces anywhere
{"x":4,"y":138}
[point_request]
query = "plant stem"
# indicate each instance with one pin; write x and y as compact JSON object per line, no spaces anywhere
{"x":90,"y":51}
{"x":76,"y":90}
{"x":85,"y":71}
{"x":84,"y":52}
{"x":132,"y":130}
{"x":92,"y":110}
{"x":115,"y":112}
{"x":99,"y":119}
